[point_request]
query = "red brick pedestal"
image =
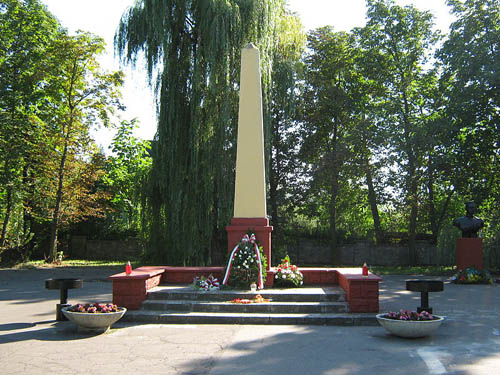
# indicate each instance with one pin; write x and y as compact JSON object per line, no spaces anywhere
{"x":362,"y":292}
{"x":131,"y":290}
{"x":260,"y":226}
{"x":469,"y":253}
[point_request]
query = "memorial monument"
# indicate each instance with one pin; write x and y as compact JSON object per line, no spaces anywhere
{"x":469,"y":247}
{"x":250,"y":212}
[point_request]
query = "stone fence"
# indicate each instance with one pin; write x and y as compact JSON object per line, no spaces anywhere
{"x":311,"y":252}
{"x":81,"y":247}
{"x":304,"y":252}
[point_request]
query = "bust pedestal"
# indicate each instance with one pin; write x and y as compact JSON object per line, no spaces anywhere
{"x":469,"y":253}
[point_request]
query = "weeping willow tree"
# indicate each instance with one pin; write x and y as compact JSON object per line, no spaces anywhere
{"x":192,"y":52}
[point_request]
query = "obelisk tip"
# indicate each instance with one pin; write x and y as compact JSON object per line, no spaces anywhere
{"x":250,"y":45}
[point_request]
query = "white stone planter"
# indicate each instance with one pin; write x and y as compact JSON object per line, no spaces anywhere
{"x":410,"y":328}
{"x":93,"y":322}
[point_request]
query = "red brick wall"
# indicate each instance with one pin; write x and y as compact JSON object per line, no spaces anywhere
{"x":362,"y":292}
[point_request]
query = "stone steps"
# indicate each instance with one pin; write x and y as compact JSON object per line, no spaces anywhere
{"x":181,"y":304}
{"x":316,"y":294}
{"x":265,"y":307}
{"x":152,"y":317}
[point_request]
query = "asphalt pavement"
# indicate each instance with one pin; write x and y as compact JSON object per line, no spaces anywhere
{"x":32,"y":342}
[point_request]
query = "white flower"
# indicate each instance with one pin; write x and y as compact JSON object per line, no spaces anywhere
{"x":292,"y":276}
{"x":284,"y":276}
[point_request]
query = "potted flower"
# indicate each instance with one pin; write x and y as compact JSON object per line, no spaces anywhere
{"x":410,"y":324}
{"x":94,"y":317}
{"x":288,"y":275}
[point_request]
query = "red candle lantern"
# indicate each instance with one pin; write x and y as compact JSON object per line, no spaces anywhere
{"x":365,"y":269}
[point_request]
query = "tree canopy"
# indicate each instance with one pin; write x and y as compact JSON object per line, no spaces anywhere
{"x":192,"y":51}
{"x":379,"y":133}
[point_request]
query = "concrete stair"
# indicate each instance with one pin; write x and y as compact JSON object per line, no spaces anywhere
{"x":181,"y":304}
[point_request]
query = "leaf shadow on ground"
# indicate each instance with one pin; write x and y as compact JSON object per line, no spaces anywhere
{"x":58,"y":331}
{"x":324,"y":350}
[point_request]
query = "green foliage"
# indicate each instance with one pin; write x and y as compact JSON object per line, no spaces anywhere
{"x":26,"y":31}
{"x":80,"y":96}
{"x":127,"y":171}
{"x":192,"y":51}
{"x":366,"y":132}
{"x":470,"y":59}
{"x":398,"y":41}
{"x":283,"y":109}
{"x":51,"y":93}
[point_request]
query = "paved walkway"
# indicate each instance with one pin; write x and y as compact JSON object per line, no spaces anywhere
{"x":31,"y":342}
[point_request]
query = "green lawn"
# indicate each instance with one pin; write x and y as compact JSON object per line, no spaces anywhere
{"x":417,"y":270}
{"x":78,"y":263}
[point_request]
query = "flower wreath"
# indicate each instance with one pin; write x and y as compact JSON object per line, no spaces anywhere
{"x":245,"y":264}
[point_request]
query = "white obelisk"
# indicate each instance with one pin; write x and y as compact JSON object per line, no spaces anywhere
{"x":250,"y":185}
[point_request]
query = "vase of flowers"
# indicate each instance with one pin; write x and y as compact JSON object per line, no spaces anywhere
{"x":410,"y":324}
{"x":288,"y":275}
{"x":94,"y":317}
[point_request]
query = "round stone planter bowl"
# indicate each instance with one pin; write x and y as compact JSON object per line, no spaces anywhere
{"x":93,"y":322}
{"x":410,"y":328}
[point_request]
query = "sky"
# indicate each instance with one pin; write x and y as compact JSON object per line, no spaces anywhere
{"x":101,"y":17}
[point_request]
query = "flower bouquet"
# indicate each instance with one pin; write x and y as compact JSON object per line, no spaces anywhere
{"x":288,"y":275}
{"x":472,"y":275}
{"x":206,"y":283}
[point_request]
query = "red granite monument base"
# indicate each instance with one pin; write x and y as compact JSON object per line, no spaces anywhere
{"x":259,"y":226}
{"x":469,"y":253}
{"x":362,"y":292}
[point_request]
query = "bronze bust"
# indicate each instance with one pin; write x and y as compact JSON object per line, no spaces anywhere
{"x":468,"y":224}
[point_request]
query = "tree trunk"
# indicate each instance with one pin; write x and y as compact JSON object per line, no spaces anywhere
{"x":432,"y":207}
{"x":273,"y":197}
{"x":412,"y":184}
{"x":333,"y":214}
{"x":7,"y":216}
{"x":27,"y":204}
{"x":274,"y":177}
{"x":372,"y":200}
{"x":55,"y":219}
{"x":412,"y":229}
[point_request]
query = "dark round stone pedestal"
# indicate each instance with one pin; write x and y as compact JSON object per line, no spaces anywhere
{"x":63,"y":285}
{"x":424,"y":287}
